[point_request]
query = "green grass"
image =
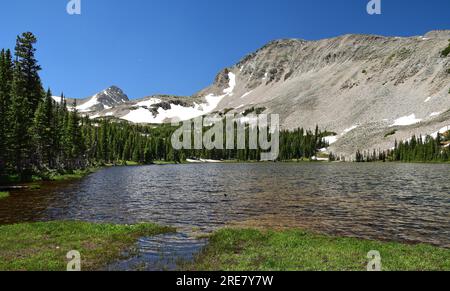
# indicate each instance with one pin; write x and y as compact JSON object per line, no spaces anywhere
{"x":162,"y":163}
{"x":43,"y":246}
{"x":78,"y":174}
{"x":4,"y":195}
{"x":254,"y":250}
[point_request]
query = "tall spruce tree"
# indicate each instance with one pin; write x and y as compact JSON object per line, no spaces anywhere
{"x":28,"y":69}
{"x":26,"y":94}
{"x":20,"y":124}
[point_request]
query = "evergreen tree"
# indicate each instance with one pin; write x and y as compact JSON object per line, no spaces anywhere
{"x":74,"y":140}
{"x":26,"y":92}
{"x":28,"y":69}
{"x":43,"y":131}
{"x":20,"y":124}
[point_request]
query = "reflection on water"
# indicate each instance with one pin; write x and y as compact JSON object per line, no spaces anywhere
{"x":400,"y":202}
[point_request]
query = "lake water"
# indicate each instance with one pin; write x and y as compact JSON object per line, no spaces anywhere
{"x":394,"y":202}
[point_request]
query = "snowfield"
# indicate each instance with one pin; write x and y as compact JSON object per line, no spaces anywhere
{"x":86,"y":106}
{"x":177,"y":112}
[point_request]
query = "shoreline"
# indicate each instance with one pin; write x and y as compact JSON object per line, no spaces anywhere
{"x":13,"y":184}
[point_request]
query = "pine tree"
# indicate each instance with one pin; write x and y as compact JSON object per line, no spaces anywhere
{"x":26,"y":92}
{"x":43,"y":131}
{"x":28,"y":69}
{"x":20,"y":124}
{"x":74,"y":140}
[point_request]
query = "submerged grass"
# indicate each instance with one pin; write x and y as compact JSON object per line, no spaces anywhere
{"x":295,"y":250}
{"x":43,"y":246}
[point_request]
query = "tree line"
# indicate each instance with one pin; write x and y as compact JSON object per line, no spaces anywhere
{"x":417,"y":149}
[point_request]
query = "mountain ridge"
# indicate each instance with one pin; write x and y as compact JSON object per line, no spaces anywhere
{"x":360,"y":86}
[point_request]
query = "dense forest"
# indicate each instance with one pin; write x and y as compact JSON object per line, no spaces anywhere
{"x":40,"y":135}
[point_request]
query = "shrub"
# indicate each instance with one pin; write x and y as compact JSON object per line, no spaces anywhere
{"x":446,"y":51}
{"x":393,"y":132}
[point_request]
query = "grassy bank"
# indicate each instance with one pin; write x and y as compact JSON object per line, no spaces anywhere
{"x":43,"y":246}
{"x":49,"y":176}
{"x":246,"y":249}
{"x":4,"y":195}
{"x":70,"y":176}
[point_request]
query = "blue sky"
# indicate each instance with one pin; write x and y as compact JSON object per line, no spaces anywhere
{"x":178,"y":46}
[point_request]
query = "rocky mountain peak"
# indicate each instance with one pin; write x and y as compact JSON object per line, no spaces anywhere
{"x":113,"y":94}
{"x":106,"y":99}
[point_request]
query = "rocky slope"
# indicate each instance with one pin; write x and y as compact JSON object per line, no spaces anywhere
{"x":370,"y":90}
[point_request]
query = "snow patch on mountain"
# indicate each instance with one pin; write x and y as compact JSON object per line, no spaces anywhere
{"x":435,"y":114}
{"x":331,"y":139}
{"x":349,"y":129}
{"x":232,"y":84}
{"x":406,"y":120}
{"x":334,"y":138}
{"x":57,"y":99}
{"x":246,"y":94}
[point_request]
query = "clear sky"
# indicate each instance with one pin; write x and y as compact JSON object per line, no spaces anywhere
{"x":178,"y":46}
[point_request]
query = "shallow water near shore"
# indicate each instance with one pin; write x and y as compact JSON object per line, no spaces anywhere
{"x":393,"y":202}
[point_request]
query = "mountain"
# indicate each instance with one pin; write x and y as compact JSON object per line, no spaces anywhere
{"x":370,"y":90}
{"x":107,"y":99}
